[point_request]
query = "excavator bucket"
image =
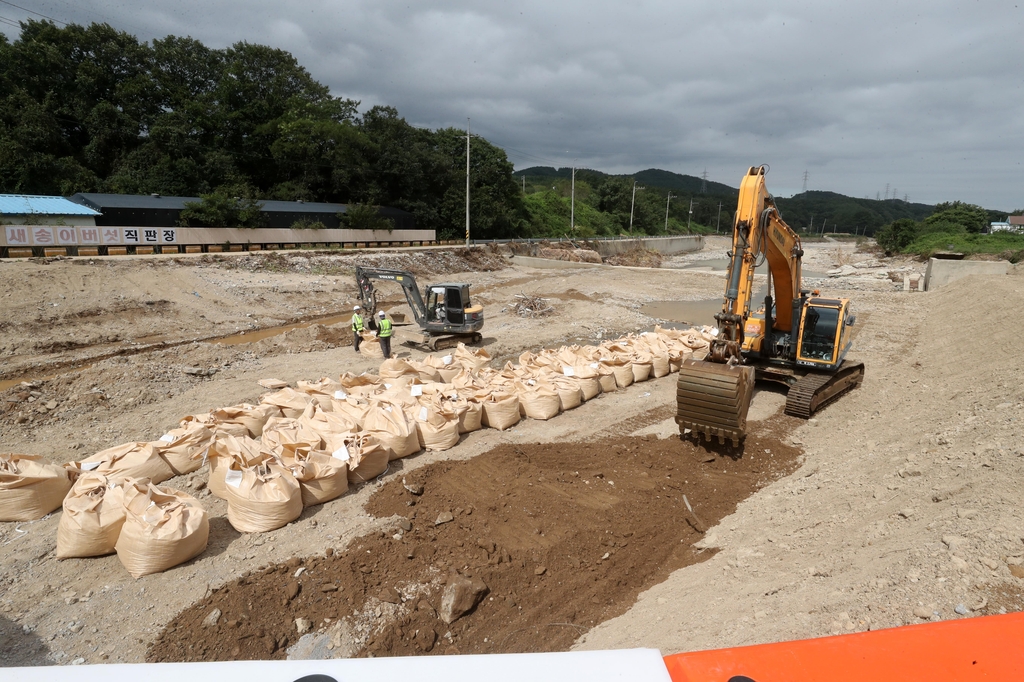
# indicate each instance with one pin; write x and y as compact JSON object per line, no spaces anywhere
{"x":713,"y":399}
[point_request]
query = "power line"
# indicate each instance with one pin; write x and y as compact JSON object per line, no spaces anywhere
{"x":9,"y":22}
{"x":25,"y":9}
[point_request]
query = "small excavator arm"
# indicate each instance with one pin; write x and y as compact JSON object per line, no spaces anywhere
{"x":413,"y":297}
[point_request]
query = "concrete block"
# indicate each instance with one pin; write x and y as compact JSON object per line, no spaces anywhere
{"x":941,"y":271}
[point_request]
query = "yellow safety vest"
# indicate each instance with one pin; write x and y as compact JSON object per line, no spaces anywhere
{"x":385,"y":328}
{"x":357,"y":323}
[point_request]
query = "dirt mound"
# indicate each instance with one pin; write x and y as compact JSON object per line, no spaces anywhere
{"x":568,"y":254}
{"x":636,"y":257}
{"x":563,"y":535}
{"x":427,"y":262}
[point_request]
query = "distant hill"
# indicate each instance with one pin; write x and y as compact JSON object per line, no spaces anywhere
{"x":846,"y":214}
{"x":652,"y":177}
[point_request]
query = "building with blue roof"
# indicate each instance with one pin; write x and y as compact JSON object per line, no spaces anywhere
{"x":27,"y":209}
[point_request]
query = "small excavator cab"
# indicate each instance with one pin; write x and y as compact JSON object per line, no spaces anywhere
{"x":449,"y":305}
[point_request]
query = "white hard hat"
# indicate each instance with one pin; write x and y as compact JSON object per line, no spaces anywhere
{"x":355,"y":308}
{"x":381,"y":313}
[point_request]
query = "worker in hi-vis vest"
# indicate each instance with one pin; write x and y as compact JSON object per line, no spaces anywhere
{"x":357,"y":326}
{"x":384,"y":334}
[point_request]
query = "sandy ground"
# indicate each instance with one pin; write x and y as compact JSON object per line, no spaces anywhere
{"x":905,"y":508}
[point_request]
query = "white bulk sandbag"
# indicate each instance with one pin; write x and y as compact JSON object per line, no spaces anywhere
{"x":129,"y":460}
{"x":537,"y":399}
{"x":438,"y":428}
{"x":321,"y":477}
{"x":280,"y":431}
{"x":290,"y":402}
{"x":163,"y":527}
{"x":30,"y":488}
{"x":568,"y":389}
{"x":388,"y":423}
{"x":251,"y":417}
{"x":369,"y":347}
{"x":93,"y":515}
{"x":367,"y":457}
{"x":262,"y":497}
{"x":501,"y":410}
{"x":184,"y":449}
{"x":230,"y":453}
{"x":641,"y":367}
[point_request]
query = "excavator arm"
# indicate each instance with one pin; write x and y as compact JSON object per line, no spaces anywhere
{"x":759,"y":234}
{"x":368,"y":295}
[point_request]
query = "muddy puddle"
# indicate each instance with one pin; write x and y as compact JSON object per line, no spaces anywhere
{"x":562,"y":536}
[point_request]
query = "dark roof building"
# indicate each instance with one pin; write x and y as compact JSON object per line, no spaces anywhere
{"x":131,"y":210}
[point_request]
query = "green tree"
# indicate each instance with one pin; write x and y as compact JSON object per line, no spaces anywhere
{"x":973,"y":218}
{"x":365,"y":217}
{"x":897,"y":235}
{"x":224,"y":208}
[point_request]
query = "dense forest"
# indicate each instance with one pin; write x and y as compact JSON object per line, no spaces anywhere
{"x":93,"y":109}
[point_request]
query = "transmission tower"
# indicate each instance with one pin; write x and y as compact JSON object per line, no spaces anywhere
{"x":805,"y":181}
{"x":704,"y":182}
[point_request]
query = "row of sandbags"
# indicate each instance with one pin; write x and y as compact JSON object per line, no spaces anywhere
{"x":304,"y":445}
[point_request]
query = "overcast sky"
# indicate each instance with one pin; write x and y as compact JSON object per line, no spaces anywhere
{"x":927,"y":97}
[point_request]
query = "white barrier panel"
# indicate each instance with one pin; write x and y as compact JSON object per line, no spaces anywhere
{"x":627,"y":665}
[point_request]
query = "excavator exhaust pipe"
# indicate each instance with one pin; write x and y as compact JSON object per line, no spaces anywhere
{"x":713,"y":399}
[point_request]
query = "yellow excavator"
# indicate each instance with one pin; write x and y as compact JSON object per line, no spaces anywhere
{"x":799,"y":338}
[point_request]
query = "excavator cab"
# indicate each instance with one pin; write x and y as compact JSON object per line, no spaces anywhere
{"x":449,"y":304}
{"x":824,"y":338}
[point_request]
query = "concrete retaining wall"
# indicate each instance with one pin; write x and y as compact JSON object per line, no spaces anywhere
{"x":941,"y":271}
{"x":666,"y":245}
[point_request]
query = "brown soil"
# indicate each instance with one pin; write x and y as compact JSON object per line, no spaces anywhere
{"x":565,"y":535}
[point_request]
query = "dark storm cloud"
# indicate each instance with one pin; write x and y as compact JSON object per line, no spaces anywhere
{"x":927,"y":97}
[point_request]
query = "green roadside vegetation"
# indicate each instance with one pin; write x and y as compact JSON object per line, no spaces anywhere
{"x":953,"y":226}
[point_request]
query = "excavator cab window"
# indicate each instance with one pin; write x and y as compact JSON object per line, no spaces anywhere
{"x":436,"y":305}
{"x":818,"y":341}
{"x":456,"y":311}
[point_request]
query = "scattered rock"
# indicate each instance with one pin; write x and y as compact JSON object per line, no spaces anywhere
{"x":303,"y":626}
{"x":953,"y":542}
{"x":211,"y":619}
{"x":460,"y":596}
{"x":990,"y":562}
{"x":961,"y":609}
{"x":540,"y":570}
{"x":390,"y":595}
{"x":925,"y":612}
{"x":444,"y":517}
{"x":291,"y":590}
{"x":1017,"y":571}
{"x":414,"y":488}
{"x":425,"y":638}
{"x":405,"y":524}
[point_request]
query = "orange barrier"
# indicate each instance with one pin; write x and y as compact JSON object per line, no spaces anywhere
{"x":988,"y":648}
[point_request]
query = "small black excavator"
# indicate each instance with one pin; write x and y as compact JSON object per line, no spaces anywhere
{"x":798,"y":338}
{"x":446,"y":319}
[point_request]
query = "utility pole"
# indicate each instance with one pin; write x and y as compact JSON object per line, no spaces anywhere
{"x":689,"y":217}
{"x":704,"y":182}
{"x":805,"y":181}
{"x":632,"y":204}
{"x":467,"y":180}
{"x":572,"y":202}
{"x":810,"y":229}
{"x":719,"y":223}
{"x":524,"y":185}
{"x":667,"y":202}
